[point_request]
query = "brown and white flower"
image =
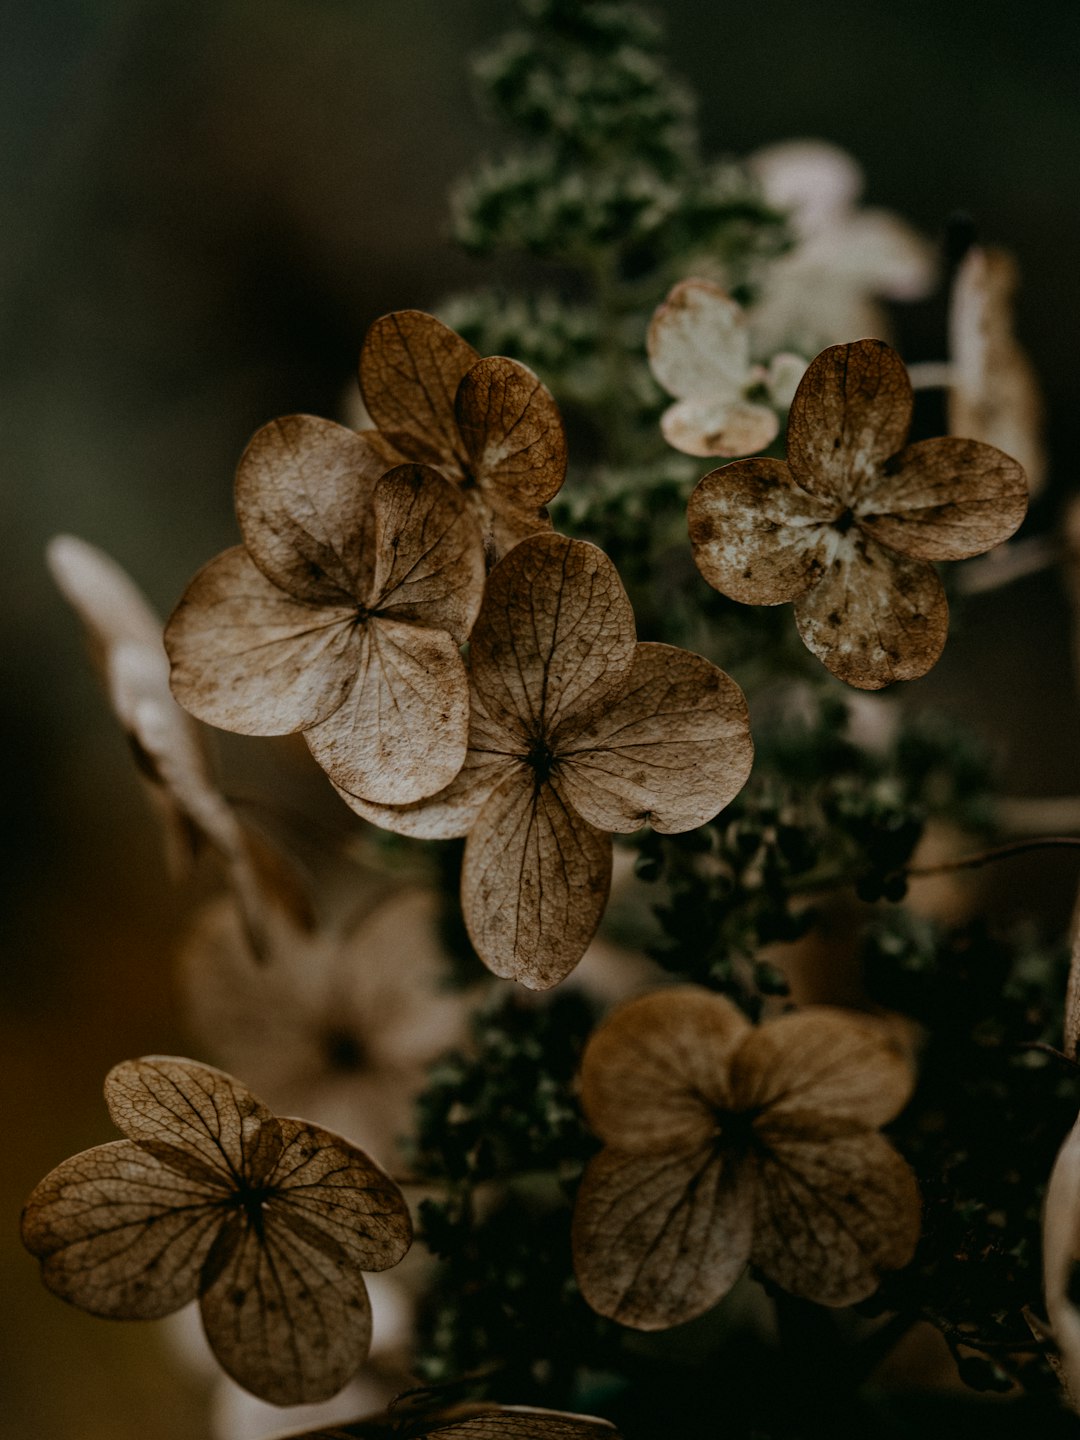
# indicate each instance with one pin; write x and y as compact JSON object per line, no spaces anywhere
{"x":269,"y":1222}
{"x":849,"y":527}
{"x":699,"y":351}
{"x":342,"y":614}
{"x":577,"y":731}
{"x":845,"y":260}
{"x":488,"y":425}
{"x":727,"y":1144}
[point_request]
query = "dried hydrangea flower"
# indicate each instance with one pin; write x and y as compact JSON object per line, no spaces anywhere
{"x":488,"y":425}
{"x":845,"y":259}
{"x":849,"y":527}
{"x":269,"y":1222}
{"x":1061,"y":1254}
{"x":727,"y":1143}
{"x":699,"y":351}
{"x":471,"y":1422}
{"x":342,"y":614}
{"x":340,"y":1024}
{"x":125,"y":639}
{"x":577,"y":731}
{"x":993,"y":393}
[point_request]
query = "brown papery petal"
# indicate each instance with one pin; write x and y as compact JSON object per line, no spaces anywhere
{"x":830,"y":1217}
{"x":1061,"y":1247}
{"x":471,"y":1422}
{"x":555,"y":637}
{"x":818,"y":1070}
{"x":288,"y":1321}
{"x":659,"y":1239}
{"x":671,"y":753}
{"x":755,"y":535}
{"x":874,"y":616}
{"x":515,"y":444}
{"x":340,"y":1197}
{"x":248,"y":658}
{"x":852,"y":410}
{"x":120,"y":1234}
{"x":401,"y":731}
{"x":410,"y":368}
{"x":195,"y":1119}
{"x":492,"y":756}
{"x":945,"y":500}
{"x":429,"y":567}
{"x":534,"y":882}
{"x":655,"y":1073}
{"x":303,"y":499}
{"x":708,"y":427}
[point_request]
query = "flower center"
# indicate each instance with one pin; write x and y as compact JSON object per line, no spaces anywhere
{"x":343,"y":1051}
{"x":735,"y":1130}
{"x":844,"y":521}
{"x":542,"y":759}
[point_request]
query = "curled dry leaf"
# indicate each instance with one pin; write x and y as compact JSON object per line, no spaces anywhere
{"x":268,"y":1222}
{"x":489,"y":425}
{"x":994,"y":394}
{"x":727,"y":1144}
{"x":845,"y":259}
{"x":1061,"y":1253}
{"x":471,"y":1422}
{"x":576,"y":731}
{"x":125,"y":638}
{"x":849,"y":526}
{"x":341,"y":615}
{"x":699,"y":351}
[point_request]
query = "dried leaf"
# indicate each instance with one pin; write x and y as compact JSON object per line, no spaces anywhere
{"x":269,"y":1222}
{"x":660,"y":1239}
{"x":471,"y":1422}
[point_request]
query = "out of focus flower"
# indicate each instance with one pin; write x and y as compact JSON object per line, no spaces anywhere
{"x":339,"y":1024}
{"x":993,"y":392}
{"x":845,"y":260}
{"x":1061,"y":1255}
{"x":849,"y":527}
{"x":726,"y":1144}
{"x":699,"y":351}
{"x":268,"y":1222}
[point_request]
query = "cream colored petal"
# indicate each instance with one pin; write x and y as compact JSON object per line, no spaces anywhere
{"x":671,"y":753}
{"x":534,"y":882}
{"x":303,"y":499}
{"x":708,"y":427}
{"x":1061,"y":1251}
{"x":429,"y":567}
{"x":756,"y":536}
{"x":288,"y":1321}
{"x":945,"y":500}
{"x":248,"y":658}
{"x":660,"y":1239}
{"x":106,"y":600}
{"x":830,"y":1217}
{"x":883,"y":255}
{"x":121,"y":1234}
{"x":555,"y":636}
{"x":515,"y":444}
{"x":783,"y":378}
{"x":814,"y":180}
{"x":851,"y":412}
{"x":820,"y":1071}
{"x":410,"y":368}
{"x":339,"y":1198}
{"x":401,"y":732}
{"x":193,"y":1118}
{"x":874,"y":616}
{"x":699,"y":347}
{"x":656,"y":1071}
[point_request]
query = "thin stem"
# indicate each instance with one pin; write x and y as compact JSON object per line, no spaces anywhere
{"x":998,"y":852}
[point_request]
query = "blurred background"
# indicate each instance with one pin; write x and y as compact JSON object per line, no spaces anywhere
{"x":204,"y":206}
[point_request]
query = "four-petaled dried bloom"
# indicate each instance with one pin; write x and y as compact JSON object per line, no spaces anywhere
{"x":489,"y":425}
{"x":342,"y":614}
{"x":577,"y":731}
{"x":699,"y":351}
{"x":849,"y":527}
{"x":470,"y":1422}
{"x":269,"y":1222}
{"x":845,"y":259}
{"x":727,"y":1144}
{"x":993,"y":393}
